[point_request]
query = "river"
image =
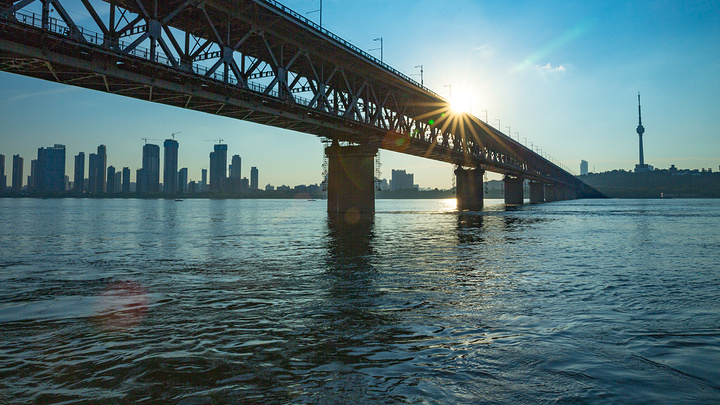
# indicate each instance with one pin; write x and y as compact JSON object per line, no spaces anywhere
{"x":269,"y":301}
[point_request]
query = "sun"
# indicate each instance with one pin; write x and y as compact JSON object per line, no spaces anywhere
{"x":461,"y":102}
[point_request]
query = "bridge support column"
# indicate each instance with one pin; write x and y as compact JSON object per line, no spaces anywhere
{"x":351,"y":179}
{"x":537,"y":192}
{"x":469,"y":189}
{"x":513,"y":190}
{"x":551,"y":193}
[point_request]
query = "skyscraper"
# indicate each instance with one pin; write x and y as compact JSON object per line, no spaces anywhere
{"x":218,"y":167}
{"x":110,"y":179}
{"x":140,"y":181}
{"x":183,"y":180}
{"x":78,"y":179}
{"x":235,"y":166}
{"x":125,"y":180}
{"x":17,"y":173}
{"x":151,"y":168}
{"x":3,"y":179}
{"x":170,"y":172}
{"x":32,"y":177}
{"x":92,"y":172}
{"x":583,"y":167}
{"x":253,"y":179}
{"x":203,"y":182}
{"x":118,"y":182}
{"x":101,"y":162}
{"x":50,"y":171}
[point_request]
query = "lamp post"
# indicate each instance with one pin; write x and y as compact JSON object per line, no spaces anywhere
{"x":381,"y":48}
{"x":509,"y":132}
{"x":421,"y":74}
{"x":317,"y":11}
{"x":449,"y":86}
{"x":498,"y":120}
{"x":485,"y":111}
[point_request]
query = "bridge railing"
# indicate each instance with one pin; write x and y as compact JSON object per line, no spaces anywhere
{"x":347,"y":44}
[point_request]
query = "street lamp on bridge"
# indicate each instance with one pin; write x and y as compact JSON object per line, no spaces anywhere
{"x":421,"y":74}
{"x":381,"y":48}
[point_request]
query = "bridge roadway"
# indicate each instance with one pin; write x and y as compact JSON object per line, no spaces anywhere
{"x":258,"y":61}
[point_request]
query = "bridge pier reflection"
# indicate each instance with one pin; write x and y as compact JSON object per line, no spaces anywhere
{"x":351,"y":179}
{"x":513,"y":190}
{"x":469,"y":189}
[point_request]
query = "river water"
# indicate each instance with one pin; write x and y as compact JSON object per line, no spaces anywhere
{"x":269,"y":301}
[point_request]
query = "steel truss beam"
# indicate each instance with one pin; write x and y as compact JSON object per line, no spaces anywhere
{"x":257,"y":61}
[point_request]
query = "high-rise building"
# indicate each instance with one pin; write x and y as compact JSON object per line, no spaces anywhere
{"x":110,"y":179}
{"x":92,"y":172}
{"x":583,"y":167}
{"x":50,"y":170}
{"x":125,"y":180}
{"x":3,"y":178}
{"x":218,"y":167}
{"x":253,"y":179}
{"x":170,"y":172}
{"x":140,"y":181}
{"x":17,"y":173}
{"x":151,"y":168}
{"x":79,"y":177}
{"x":235,"y":166}
{"x":401,"y":180}
{"x":32,"y":177}
{"x":203,"y":182}
{"x":101,"y":162}
{"x":118,"y":182}
{"x":183,"y":180}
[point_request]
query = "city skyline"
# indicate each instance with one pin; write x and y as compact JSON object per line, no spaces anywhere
{"x":554,"y":78}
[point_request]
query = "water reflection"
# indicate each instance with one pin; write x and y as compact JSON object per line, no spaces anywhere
{"x":470,"y":228}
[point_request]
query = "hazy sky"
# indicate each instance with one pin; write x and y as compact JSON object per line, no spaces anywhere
{"x":562,"y":74}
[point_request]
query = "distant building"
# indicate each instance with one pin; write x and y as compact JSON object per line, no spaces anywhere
{"x":125,"y":180}
{"x":92,"y":172}
{"x":151,"y":169}
{"x":402,"y":180}
{"x":170,"y":172}
{"x":17,"y":173}
{"x":203,"y":182}
{"x":235,"y":166}
{"x":140,"y":181}
{"x":269,"y":187}
{"x":50,"y":170}
{"x":583,"y":167}
{"x":3,"y":178}
{"x":183,"y":180}
{"x":33,"y":176}
{"x":79,"y":174}
{"x":110,"y":180}
{"x":101,"y":162}
{"x":253,"y":178}
{"x":118,"y":182}
{"x":218,"y":167}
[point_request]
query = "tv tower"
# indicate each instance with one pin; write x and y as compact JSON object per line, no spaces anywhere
{"x":641,"y":167}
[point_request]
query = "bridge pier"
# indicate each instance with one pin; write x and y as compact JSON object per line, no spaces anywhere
{"x":537,"y":192}
{"x":513,"y":190}
{"x":551,"y":193}
{"x":469,"y":189}
{"x":351,"y":179}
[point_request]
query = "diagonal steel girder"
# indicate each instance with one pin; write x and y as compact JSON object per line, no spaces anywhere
{"x":258,"y":61}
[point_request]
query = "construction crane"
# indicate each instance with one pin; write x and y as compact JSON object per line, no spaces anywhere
{"x":150,"y":139}
{"x":213,"y":140}
{"x":175,"y":133}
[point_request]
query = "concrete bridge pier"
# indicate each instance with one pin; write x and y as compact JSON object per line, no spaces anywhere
{"x":513,"y":190}
{"x":469,"y":189}
{"x":537,"y":192}
{"x":551,"y":193}
{"x":351,"y":179}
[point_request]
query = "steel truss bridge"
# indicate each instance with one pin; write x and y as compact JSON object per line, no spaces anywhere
{"x":258,"y":61}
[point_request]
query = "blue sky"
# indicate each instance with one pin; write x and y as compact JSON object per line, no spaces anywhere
{"x":564,"y":75}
